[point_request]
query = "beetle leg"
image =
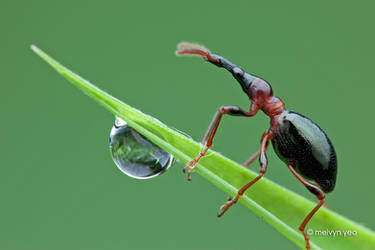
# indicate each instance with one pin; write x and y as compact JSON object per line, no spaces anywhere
{"x":255,"y":155}
{"x":248,"y":162}
{"x":251,"y":159}
{"x":263,"y":167}
{"x":210,"y":133}
{"x":319,"y":194}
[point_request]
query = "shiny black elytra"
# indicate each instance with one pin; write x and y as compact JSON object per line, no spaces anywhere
{"x":298,"y":141}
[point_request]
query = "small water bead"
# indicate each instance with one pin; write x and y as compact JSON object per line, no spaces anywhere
{"x":134,"y":154}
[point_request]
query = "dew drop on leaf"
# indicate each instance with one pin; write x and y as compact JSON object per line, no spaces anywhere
{"x":134,"y":155}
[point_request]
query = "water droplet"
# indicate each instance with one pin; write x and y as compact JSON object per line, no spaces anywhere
{"x":134,"y":154}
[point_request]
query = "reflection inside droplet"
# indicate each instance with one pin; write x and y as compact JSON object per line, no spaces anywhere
{"x":134,"y":154}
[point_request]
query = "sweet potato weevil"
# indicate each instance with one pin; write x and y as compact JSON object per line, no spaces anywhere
{"x":299,"y":142}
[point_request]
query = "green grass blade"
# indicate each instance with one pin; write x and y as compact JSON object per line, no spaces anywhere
{"x":281,"y":208}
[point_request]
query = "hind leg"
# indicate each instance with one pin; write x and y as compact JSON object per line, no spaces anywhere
{"x":319,"y":195}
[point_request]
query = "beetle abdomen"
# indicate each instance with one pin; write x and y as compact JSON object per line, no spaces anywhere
{"x":303,"y":142}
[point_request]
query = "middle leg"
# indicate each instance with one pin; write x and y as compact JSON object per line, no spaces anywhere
{"x":251,"y":160}
{"x":263,"y":167}
{"x":255,"y":155}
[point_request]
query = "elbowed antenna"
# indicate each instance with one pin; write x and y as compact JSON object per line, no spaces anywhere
{"x":244,"y":78}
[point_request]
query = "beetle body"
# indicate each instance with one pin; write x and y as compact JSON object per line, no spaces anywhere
{"x":301,"y":141}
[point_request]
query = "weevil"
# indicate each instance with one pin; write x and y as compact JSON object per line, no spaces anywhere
{"x":298,"y":141}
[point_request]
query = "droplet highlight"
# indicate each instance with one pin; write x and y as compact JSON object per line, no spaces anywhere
{"x":135,"y":155}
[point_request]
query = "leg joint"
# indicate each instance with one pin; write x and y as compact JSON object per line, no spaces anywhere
{"x":229,"y":109}
{"x":315,"y":190}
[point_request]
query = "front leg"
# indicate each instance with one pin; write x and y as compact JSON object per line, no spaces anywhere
{"x":211,"y":131}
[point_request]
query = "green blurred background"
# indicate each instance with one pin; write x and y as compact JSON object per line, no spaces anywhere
{"x":59,"y":187}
